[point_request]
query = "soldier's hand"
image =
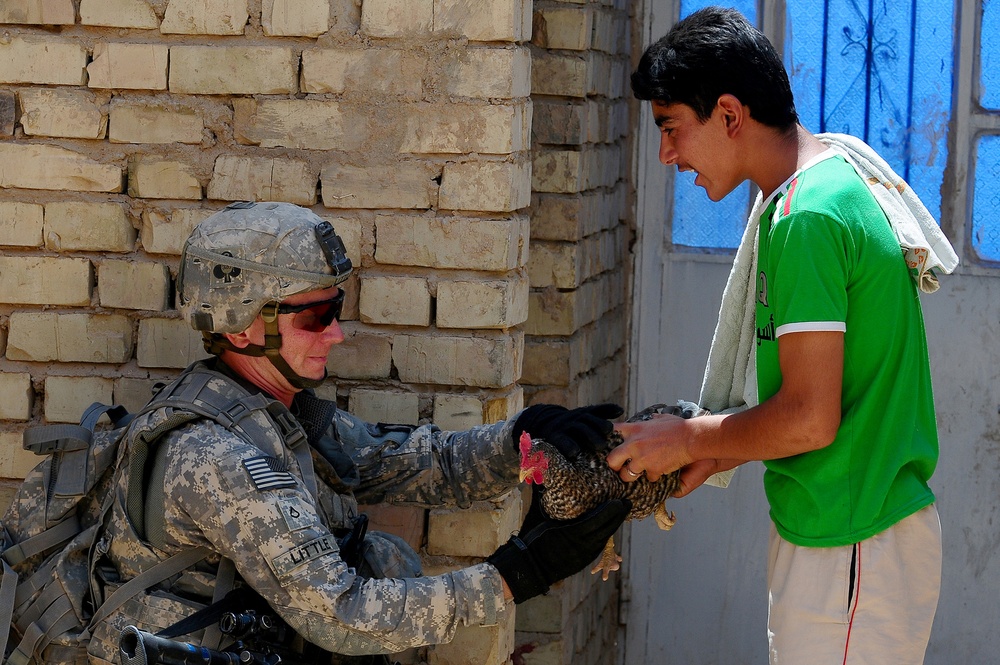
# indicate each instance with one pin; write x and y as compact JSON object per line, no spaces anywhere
{"x":550,"y":550}
{"x":569,"y":430}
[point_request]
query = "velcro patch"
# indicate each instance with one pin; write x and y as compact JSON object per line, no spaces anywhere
{"x":285,"y":563}
{"x":268,"y":473}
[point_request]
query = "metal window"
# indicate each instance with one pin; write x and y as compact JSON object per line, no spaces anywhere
{"x":880,"y":71}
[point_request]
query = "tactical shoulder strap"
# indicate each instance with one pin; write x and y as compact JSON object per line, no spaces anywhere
{"x":191,"y":397}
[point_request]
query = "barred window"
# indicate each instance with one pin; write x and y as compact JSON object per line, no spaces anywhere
{"x":886,"y":73}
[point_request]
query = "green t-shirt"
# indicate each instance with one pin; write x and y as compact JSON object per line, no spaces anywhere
{"x":828,"y":261}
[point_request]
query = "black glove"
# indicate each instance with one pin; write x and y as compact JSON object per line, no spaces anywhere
{"x":552,"y":550}
{"x":569,"y":430}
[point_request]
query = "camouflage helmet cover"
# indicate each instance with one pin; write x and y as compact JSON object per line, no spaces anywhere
{"x":249,"y":254}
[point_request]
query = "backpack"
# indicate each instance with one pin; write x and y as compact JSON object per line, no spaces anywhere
{"x":50,"y":536}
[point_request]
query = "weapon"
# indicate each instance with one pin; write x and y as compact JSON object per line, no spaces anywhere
{"x":258,"y":638}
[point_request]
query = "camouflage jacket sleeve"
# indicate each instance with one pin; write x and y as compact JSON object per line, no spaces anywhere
{"x":252,"y":508}
{"x":426,"y":465}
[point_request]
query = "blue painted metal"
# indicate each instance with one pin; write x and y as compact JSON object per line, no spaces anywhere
{"x":880,"y":70}
{"x":986,"y":199}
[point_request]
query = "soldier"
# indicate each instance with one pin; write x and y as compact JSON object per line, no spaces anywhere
{"x":275,"y":490}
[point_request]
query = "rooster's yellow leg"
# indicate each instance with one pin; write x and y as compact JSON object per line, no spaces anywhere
{"x":609,"y":560}
{"x":664,"y":520}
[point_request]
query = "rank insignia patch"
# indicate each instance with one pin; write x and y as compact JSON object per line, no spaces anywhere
{"x":268,"y":473}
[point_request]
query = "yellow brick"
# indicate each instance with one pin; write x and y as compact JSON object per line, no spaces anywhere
{"x":168,"y":343}
{"x":391,"y":18}
{"x":72,"y":337}
{"x":457,"y":412}
{"x":487,"y":362}
{"x":482,"y":303}
{"x":395,"y":300}
{"x":165,"y":233}
{"x":405,"y":185}
{"x":451,"y":242}
{"x":494,"y":21}
{"x":559,"y":171}
{"x":376,"y":70}
{"x":66,"y":397}
{"x":233,"y":70}
{"x":118,"y":14}
{"x":205,"y":17}
{"x":554,"y":264}
{"x":482,"y":645}
{"x":21,"y":224}
{"x":477,"y":531}
{"x":38,"y":12}
{"x":8,"y":112}
{"x":133,"y":393}
{"x":77,"y":225}
{"x":36,"y":280}
{"x":558,"y":74}
{"x":295,"y":18}
{"x":133,"y":285}
{"x":15,"y":461}
{"x":156,"y":178}
{"x":485,"y":186}
{"x":16,"y":397}
{"x":300,"y":123}
{"x":565,"y":28}
{"x":489,"y":129}
{"x":382,"y":406}
{"x":140,"y":123}
{"x":64,"y":113}
{"x":547,"y":362}
{"x":505,"y":405}
{"x":552,"y":312}
{"x":489,"y":72}
{"x":55,"y":168}
{"x":43,"y":61}
{"x":263,"y":179}
{"x":364,"y":354}
{"x":129,"y":66}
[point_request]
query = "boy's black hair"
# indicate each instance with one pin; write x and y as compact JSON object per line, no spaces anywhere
{"x":712,"y":52}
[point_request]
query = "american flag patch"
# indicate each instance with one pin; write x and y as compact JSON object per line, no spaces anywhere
{"x":268,"y":473}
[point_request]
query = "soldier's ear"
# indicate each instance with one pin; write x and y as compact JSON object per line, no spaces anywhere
{"x":242,"y":340}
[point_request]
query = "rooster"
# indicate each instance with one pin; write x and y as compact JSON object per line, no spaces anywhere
{"x":567,"y":489}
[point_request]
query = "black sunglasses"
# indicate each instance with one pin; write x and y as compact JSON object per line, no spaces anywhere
{"x":314,"y":316}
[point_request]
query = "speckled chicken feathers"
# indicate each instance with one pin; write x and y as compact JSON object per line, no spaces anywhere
{"x":571,"y":488}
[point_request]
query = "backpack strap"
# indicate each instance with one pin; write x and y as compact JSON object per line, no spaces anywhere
{"x":8,"y":586}
{"x":58,"y":615}
{"x":161,"y":571}
{"x":191,"y":397}
{"x":51,"y":537}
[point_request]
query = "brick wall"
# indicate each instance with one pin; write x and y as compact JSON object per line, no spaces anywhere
{"x":429,"y":132}
{"x":578,"y":268}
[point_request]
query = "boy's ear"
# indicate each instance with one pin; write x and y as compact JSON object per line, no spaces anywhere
{"x":734,"y":113}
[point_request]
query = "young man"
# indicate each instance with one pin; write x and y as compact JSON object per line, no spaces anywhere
{"x":845,"y":416}
{"x":270,"y":491}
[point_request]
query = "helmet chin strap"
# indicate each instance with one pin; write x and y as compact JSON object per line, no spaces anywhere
{"x":215,"y":344}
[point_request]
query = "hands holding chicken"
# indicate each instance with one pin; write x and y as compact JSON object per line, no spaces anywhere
{"x":571,"y":478}
{"x":658,"y":445}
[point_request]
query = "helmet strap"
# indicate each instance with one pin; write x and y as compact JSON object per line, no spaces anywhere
{"x":215,"y":343}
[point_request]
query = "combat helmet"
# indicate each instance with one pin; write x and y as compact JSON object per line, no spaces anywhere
{"x":251,"y":256}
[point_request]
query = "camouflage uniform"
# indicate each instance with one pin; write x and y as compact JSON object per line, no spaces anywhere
{"x":279,"y":531}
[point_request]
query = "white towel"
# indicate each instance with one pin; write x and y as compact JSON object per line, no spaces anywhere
{"x":730,"y":381}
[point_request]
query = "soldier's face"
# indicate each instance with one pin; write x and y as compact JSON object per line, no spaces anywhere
{"x":305,"y":345}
